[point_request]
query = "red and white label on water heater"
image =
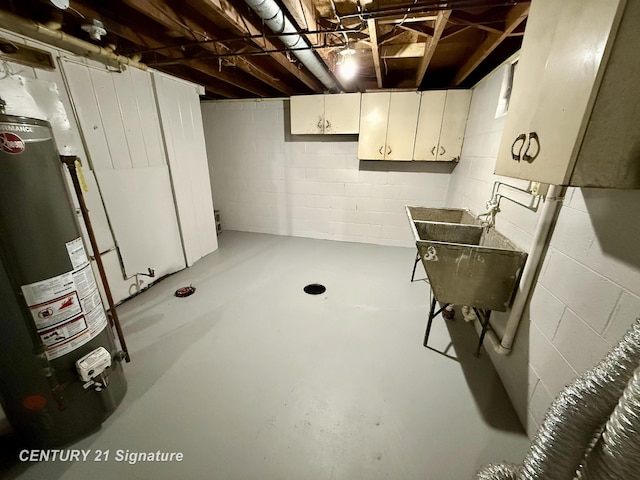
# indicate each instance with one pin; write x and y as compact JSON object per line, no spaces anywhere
{"x":11,"y":143}
{"x":67,"y":308}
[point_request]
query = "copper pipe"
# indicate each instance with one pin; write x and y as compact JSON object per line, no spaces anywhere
{"x":69,"y":161}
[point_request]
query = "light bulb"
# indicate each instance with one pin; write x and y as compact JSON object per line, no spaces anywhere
{"x":347,"y":65}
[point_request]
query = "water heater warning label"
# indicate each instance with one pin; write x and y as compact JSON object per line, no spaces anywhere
{"x":67,"y":309}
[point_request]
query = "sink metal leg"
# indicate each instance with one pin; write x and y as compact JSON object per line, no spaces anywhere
{"x":415,"y":264}
{"x":432,"y":315}
{"x":485,"y":326}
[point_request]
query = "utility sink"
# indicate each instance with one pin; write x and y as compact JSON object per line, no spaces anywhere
{"x":466,"y":263}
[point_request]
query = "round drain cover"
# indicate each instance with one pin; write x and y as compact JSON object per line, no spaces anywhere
{"x":185,"y":291}
{"x":315,"y":289}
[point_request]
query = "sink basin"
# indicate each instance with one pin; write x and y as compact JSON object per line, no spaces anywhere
{"x":466,"y":264}
{"x":447,"y":215}
{"x":431,"y":224}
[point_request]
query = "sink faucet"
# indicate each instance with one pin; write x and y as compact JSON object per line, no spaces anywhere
{"x":493,"y":207}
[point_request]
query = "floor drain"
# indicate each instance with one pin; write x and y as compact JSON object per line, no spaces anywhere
{"x":315,"y":289}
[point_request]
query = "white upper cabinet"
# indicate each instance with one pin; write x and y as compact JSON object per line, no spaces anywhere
{"x":388,"y":125}
{"x":374,"y":118}
{"x":574,"y":98}
{"x":325,"y":114}
{"x":401,"y":131}
{"x":441,"y":125}
{"x":342,"y":113}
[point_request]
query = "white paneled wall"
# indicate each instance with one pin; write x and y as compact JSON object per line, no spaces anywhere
{"x":125,"y":164}
{"x":119,"y":120}
{"x":588,"y":292}
{"x":179,"y":107}
{"x":265,"y":180}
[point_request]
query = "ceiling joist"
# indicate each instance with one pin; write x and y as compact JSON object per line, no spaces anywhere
{"x":375,"y":52}
{"x":515,"y":17}
{"x":441,"y":23}
{"x":225,"y":46}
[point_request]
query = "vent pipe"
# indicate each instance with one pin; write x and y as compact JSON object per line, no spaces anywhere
{"x":276,"y":20}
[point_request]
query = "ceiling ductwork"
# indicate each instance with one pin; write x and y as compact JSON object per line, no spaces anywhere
{"x":276,"y":20}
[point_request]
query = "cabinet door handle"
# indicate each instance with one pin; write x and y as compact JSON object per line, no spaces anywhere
{"x":522,"y":137}
{"x":389,"y":152}
{"x":380,"y":149}
{"x":530,"y":158}
{"x":433,"y":151}
{"x":319,"y":125}
{"x":443,"y":150}
{"x":328,"y":125}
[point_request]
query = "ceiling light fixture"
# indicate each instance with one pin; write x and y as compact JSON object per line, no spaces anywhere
{"x":347,"y":65}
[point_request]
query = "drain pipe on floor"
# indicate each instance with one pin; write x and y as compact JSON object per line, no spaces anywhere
{"x":276,"y":20}
{"x":541,"y":238}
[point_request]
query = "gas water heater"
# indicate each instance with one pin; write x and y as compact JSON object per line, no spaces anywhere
{"x":60,"y":369}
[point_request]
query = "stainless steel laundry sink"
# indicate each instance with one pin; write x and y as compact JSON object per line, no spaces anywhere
{"x":432,"y":224}
{"x":446,"y":215}
{"x":466,"y":263}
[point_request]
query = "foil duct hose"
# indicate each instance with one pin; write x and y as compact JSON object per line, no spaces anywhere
{"x":617,"y":453}
{"x":578,"y":414}
{"x":499,"y":471}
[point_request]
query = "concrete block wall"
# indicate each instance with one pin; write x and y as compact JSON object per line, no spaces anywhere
{"x":588,"y":291}
{"x":266,"y":180}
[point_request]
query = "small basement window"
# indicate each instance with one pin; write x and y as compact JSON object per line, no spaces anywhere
{"x":505,"y":90}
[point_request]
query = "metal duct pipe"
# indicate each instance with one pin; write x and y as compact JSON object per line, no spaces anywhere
{"x":498,"y":471}
{"x":276,"y":20}
{"x":577,"y":416}
{"x":617,"y":453}
{"x":60,"y":39}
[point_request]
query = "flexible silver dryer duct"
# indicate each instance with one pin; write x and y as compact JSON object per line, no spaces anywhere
{"x":576,"y":418}
{"x":277,"y":21}
{"x":617,"y":453}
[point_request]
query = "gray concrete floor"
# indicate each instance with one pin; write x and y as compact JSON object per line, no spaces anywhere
{"x":250,"y":378}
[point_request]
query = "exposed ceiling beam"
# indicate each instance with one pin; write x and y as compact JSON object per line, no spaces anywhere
{"x":454,"y":31}
{"x":146,"y":38}
{"x":441,"y":23}
{"x":226,"y":12}
{"x":463,"y":18}
{"x":421,"y":30}
{"x":396,"y":32}
{"x":302,"y":12}
{"x":514,"y":18}
{"x":213,"y":87}
{"x":165,"y":15}
{"x":405,"y":50}
{"x":405,"y":18}
{"x":373,"y":34}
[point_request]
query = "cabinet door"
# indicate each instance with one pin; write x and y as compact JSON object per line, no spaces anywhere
{"x":342,"y":113}
{"x":536,"y":45}
{"x":569,"y":86}
{"x":374,"y":115}
{"x":454,"y":122}
{"x":403,"y":120}
{"x":429,"y":125}
{"x":307,"y":114}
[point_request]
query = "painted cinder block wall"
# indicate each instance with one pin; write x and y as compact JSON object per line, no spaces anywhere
{"x":588,"y":291}
{"x":266,"y":180}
